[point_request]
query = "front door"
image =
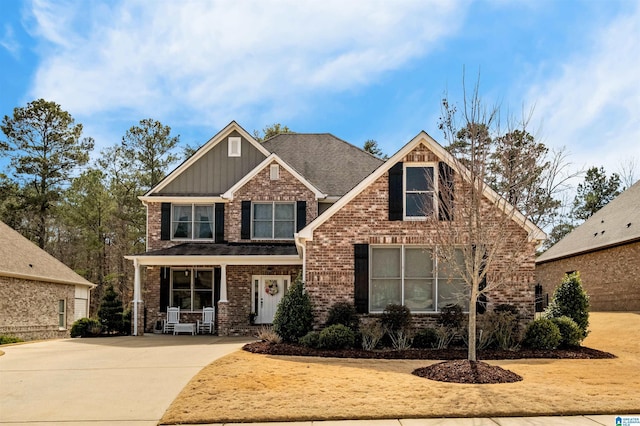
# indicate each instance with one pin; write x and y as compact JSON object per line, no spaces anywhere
{"x":267,"y":293}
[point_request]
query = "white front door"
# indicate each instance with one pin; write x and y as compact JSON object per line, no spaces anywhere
{"x":267,"y":293}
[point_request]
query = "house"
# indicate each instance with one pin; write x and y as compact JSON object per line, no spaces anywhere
{"x":237,"y":222}
{"x":40,"y":297}
{"x":605,"y":249}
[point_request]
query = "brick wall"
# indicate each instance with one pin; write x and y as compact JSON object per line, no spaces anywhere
{"x":364,"y":220}
{"x":611,"y":277}
{"x":29,"y":309}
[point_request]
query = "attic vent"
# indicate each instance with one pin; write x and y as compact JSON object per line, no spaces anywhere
{"x":602,"y":232}
{"x":274,"y":172}
{"x":595,"y":235}
{"x":628,"y":224}
{"x":235,"y":146}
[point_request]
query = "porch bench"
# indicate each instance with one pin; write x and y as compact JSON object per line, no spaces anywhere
{"x":183,"y":327}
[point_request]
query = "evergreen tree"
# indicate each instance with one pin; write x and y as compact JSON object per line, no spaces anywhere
{"x":595,"y":192}
{"x":294,"y":317}
{"x":570,"y":299}
{"x":111,"y":312}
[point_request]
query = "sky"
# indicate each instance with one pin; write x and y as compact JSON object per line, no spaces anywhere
{"x":357,"y":69}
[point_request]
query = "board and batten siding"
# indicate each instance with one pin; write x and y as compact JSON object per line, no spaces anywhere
{"x":215,"y":172}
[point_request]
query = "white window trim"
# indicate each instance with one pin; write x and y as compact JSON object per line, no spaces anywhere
{"x":192,"y":286}
{"x":405,"y":166}
{"x":273,"y":220}
{"x":62,"y":315}
{"x":436,"y":277}
{"x":235,"y":146}
{"x":193,"y":221}
{"x":274,"y":172}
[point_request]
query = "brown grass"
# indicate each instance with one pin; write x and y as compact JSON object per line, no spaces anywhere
{"x":244,"y":387}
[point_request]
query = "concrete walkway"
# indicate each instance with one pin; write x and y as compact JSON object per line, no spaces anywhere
{"x":101,"y":381}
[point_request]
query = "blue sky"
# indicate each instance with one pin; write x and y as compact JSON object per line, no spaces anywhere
{"x":360,"y":70}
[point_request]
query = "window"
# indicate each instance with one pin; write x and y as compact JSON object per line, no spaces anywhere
{"x":192,"y":222}
{"x":191,"y":289}
{"x":62,"y":314}
{"x":273,"y":221}
{"x":235,"y":146}
{"x":409,"y":275}
{"x":419,"y":191}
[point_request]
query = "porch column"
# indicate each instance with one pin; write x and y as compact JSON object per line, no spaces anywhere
{"x":223,"y":283}
{"x":136,"y":295}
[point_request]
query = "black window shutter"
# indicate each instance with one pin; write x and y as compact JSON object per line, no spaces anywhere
{"x":219,"y":222}
{"x":445,"y":191}
{"x":165,"y":279}
{"x":361,"y":272}
{"x":395,"y":192}
{"x":301,"y":215}
{"x":245,"y":223}
{"x":165,"y":221}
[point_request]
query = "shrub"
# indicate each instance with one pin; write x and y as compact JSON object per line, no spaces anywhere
{"x":344,"y":313}
{"x":310,"y":340}
{"x":400,"y":340}
{"x":451,"y":316}
{"x":445,"y":336}
{"x":372,"y":332}
{"x":506,"y":307}
{"x":395,"y":318}
{"x":570,"y":333}
{"x":484,"y":332}
{"x":85,"y":327}
{"x":505,"y":328}
{"x":336,"y":336}
{"x":266,"y":334}
{"x":5,"y":340}
{"x":542,"y":334}
{"x":111,"y":312}
{"x":425,"y":338}
{"x":294,"y":317}
{"x":570,"y":299}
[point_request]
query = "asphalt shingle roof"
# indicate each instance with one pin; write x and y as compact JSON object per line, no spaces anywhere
{"x":329,"y":163}
{"x":227,"y":249}
{"x":616,"y":223}
{"x":19,"y":257}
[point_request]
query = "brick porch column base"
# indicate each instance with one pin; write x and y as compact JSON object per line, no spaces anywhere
{"x":223,"y":318}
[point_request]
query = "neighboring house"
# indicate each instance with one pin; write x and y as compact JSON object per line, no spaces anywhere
{"x":40,"y":297}
{"x":605,"y":249}
{"x":237,"y":222}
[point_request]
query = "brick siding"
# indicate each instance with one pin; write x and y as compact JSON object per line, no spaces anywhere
{"x":611,"y":277}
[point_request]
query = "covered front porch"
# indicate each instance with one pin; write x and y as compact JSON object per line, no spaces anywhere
{"x":243,"y":282}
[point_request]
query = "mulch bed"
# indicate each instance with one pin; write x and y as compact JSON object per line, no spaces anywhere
{"x":456,"y":368}
{"x":580,"y":352}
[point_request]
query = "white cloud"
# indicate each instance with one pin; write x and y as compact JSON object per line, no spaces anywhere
{"x":9,"y":42}
{"x":211,"y":61}
{"x":592,"y":106}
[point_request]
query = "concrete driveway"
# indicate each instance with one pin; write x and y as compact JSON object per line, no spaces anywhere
{"x":123,"y":380}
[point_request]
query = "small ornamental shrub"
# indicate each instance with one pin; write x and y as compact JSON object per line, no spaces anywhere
{"x":400,"y":340}
{"x":371,"y":332}
{"x":425,"y":339}
{"x":484,"y":332}
{"x":344,"y":313}
{"x":451,"y":316}
{"x":85,"y":327}
{"x":506,"y":307}
{"x":570,"y":299}
{"x":570,"y":333}
{"x":396,"y":318}
{"x":266,"y":334}
{"x":336,"y":336}
{"x":310,"y":340}
{"x":542,"y":334}
{"x":446,"y":335}
{"x":5,"y":340}
{"x":505,"y":328}
{"x":294,"y":317}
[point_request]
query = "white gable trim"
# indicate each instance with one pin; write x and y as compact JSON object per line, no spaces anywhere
{"x":219,"y":137}
{"x":306,"y":234}
{"x":267,"y":162}
{"x":181,"y":199}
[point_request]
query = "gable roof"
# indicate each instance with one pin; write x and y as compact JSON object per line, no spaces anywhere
{"x":329,"y":163}
{"x":616,"y":223}
{"x":20,"y":258}
{"x":202,"y":151}
{"x":229,"y":194}
{"x":534,"y":232}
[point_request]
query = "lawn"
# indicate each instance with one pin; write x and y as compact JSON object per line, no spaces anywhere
{"x":245,"y":387}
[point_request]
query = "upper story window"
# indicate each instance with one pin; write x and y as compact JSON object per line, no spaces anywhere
{"x":273,"y":221}
{"x":419,"y":191}
{"x":235,"y":146}
{"x":192,"y":222}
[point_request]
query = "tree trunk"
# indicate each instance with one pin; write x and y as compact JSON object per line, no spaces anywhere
{"x":471,"y":356}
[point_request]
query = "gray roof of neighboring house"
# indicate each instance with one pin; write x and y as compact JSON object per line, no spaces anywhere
{"x":227,"y":249}
{"x":616,"y":223}
{"x":21,"y":258}
{"x":330,"y":164}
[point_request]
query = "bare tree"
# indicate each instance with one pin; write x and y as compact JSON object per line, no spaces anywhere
{"x":628,"y":172}
{"x":486,"y":242}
